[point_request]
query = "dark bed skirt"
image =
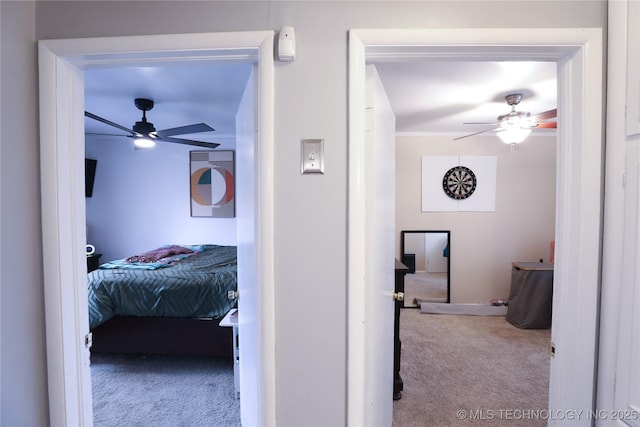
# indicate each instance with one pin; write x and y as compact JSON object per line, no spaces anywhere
{"x":163,"y":335}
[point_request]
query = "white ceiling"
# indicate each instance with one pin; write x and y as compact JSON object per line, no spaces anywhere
{"x":431,"y":97}
{"x":184,"y":94}
{"x":439,"y":97}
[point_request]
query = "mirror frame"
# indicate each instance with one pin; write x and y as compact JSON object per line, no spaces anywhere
{"x":448,"y":233}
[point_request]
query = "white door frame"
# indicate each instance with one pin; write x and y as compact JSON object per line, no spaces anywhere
{"x":579,"y":55}
{"x":62,"y":176}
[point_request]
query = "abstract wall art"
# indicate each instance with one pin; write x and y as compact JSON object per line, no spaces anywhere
{"x":212,"y":184}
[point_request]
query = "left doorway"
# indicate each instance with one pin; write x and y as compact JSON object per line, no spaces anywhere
{"x":140,"y":202}
{"x":62,"y":179}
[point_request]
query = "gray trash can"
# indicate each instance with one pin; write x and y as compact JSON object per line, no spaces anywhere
{"x":530,"y":298}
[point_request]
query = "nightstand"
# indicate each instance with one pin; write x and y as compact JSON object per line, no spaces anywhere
{"x":93,"y":262}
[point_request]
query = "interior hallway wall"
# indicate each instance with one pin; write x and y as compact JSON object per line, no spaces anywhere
{"x":23,"y":376}
{"x":311,"y":102}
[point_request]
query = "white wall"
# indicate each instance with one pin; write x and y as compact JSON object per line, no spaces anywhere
{"x":141,"y":200}
{"x":484,"y":244}
{"x":311,"y":102}
{"x":413,"y":243}
{"x":22,"y":347}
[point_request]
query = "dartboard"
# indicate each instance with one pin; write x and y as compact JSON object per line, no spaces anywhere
{"x":459,"y":182}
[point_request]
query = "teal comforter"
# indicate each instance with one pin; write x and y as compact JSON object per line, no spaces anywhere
{"x":196,"y":286}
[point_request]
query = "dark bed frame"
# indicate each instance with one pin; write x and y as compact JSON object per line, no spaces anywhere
{"x":163,"y":335}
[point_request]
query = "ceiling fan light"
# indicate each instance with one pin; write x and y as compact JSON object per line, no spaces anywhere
{"x":513,"y":134}
{"x":144,"y":142}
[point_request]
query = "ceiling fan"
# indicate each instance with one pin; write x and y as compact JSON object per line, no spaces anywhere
{"x":145,"y":133}
{"x":513,"y":127}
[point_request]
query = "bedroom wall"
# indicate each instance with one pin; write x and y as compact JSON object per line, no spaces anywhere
{"x":484,"y":244}
{"x":141,"y":200}
{"x":311,"y":102}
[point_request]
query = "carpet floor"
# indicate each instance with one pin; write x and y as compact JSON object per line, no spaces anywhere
{"x":461,"y":370}
{"x":425,"y":287}
{"x":159,"y":391}
{"x":457,"y":370}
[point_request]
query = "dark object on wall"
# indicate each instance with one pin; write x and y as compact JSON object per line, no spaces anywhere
{"x":459,"y":182}
{"x":89,"y":176}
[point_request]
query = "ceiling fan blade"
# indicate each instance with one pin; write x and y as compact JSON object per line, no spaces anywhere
{"x":107,"y":134}
{"x":476,"y":133}
{"x":545,"y":115}
{"x":185,"y":130}
{"x":108,"y":122}
{"x":548,"y":125}
{"x":190,"y":142}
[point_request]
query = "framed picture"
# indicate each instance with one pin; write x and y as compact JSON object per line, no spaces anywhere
{"x":212,"y":184}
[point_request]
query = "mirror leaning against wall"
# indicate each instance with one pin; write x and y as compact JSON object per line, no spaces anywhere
{"x":427,"y":254}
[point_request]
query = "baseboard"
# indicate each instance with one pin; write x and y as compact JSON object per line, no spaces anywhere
{"x":465,"y":309}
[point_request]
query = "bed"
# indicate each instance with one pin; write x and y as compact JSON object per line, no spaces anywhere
{"x":165,"y":301}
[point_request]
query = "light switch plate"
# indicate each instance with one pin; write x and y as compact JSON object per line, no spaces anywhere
{"x":312,"y":158}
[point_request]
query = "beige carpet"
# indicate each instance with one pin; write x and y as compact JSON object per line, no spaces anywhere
{"x":478,"y":368}
{"x":163,"y":391}
{"x":425,"y":287}
{"x":475,"y":364}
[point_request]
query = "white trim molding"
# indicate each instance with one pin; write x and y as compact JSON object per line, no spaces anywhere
{"x":633,"y":65}
{"x":62,"y":150}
